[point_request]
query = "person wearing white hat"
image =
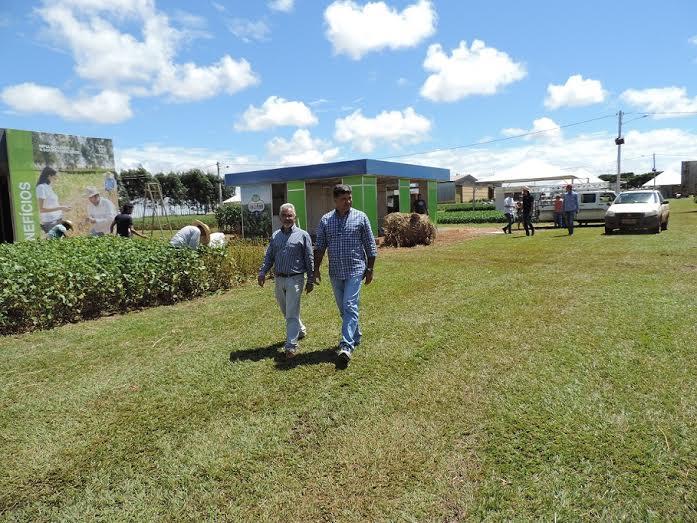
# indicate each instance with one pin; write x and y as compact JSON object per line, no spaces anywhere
{"x":100,"y":212}
{"x":191,"y":236}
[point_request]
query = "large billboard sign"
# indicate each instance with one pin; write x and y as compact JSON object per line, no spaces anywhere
{"x":55,"y":177}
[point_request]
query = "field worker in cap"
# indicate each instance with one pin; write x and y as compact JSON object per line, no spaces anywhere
{"x":192,"y":235}
{"x":346,"y":234}
{"x":290,"y":254}
{"x":100,"y":212}
{"x":60,"y":230}
{"x":571,"y":206}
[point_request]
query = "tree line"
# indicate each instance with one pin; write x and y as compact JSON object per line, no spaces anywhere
{"x":194,"y":188}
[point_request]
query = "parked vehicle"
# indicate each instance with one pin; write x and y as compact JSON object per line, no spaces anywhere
{"x":592,"y":206}
{"x":638,"y":210}
{"x":594,"y":200}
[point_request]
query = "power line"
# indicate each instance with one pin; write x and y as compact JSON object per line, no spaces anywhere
{"x":495,"y":140}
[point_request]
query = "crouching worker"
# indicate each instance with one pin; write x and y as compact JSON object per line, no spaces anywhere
{"x":59,"y":230}
{"x":198,"y":233}
{"x":290,"y":254}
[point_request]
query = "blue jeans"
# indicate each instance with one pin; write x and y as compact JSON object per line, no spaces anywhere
{"x":569,"y":218}
{"x":347,"y":294}
{"x":558,"y":220}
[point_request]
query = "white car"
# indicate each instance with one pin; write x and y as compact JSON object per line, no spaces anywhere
{"x":638,"y":210}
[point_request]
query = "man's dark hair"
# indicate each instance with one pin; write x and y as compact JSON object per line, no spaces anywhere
{"x":340,"y":189}
{"x":127,"y":208}
{"x":67,"y":225}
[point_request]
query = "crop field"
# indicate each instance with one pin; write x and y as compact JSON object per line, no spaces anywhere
{"x":503,"y":377}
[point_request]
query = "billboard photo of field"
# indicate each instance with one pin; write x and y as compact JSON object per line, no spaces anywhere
{"x":57,"y":177}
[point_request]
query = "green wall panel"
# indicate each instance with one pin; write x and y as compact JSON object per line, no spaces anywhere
{"x":296,"y":196}
{"x":432,"y":201}
{"x":365,"y":197}
{"x":404,"y":197}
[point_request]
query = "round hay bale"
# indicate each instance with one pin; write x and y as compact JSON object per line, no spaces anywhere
{"x":408,"y":230}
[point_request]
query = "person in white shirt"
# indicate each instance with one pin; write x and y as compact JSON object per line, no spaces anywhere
{"x":50,"y":211}
{"x":100,"y":212}
{"x":509,"y":212}
{"x":191,"y":236}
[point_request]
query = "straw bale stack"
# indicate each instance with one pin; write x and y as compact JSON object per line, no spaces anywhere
{"x":408,"y":230}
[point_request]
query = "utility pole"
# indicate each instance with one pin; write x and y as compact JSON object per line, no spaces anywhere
{"x":619,"y":141}
{"x":220,"y":184}
{"x":654,"y":170}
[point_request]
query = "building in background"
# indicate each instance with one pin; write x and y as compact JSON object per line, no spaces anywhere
{"x":668,"y":182}
{"x":688,"y":178}
{"x":53,"y":169}
{"x":378,"y":188}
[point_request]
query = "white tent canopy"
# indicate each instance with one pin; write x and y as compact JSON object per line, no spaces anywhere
{"x":665,"y":178}
{"x":533,"y":170}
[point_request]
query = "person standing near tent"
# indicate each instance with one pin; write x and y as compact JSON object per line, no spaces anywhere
{"x":290,"y":254}
{"x":528,"y":203}
{"x":50,"y":211}
{"x":571,"y":207}
{"x":100,"y":212}
{"x":345,"y":232}
{"x":509,"y":212}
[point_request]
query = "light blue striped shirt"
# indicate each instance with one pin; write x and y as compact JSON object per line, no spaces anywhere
{"x":290,"y":252}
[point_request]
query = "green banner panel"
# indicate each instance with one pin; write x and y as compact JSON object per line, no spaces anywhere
{"x":296,"y":196}
{"x":370,"y":201}
{"x":404,"y":196}
{"x":432,"y":201}
{"x":356,"y":183}
{"x":20,"y":156}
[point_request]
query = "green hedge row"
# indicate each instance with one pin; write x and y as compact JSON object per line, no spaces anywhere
{"x":228,"y":218}
{"x":50,"y":282}
{"x":176,"y":221}
{"x":457,"y":207}
{"x":471,"y":217}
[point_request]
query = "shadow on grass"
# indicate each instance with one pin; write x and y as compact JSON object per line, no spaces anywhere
{"x":316,"y":357}
{"x":282,"y":362}
{"x":257,"y":354}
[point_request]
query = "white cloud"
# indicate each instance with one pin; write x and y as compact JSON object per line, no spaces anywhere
{"x":661,"y":100}
{"x":545,"y":128}
{"x":281,"y":5}
{"x":249,"y":30}
{"x":129,"y":47}
{"x":301,"y":149}
{"x":576,"y":92}
{"x":106,"y":107}
{"x":594,"y":153}
{"x":276,"y":112}
{"x":356,"y":30}
{"x":391,"y":127}
{"x":468,"y":71}
{"x":693,"y":40}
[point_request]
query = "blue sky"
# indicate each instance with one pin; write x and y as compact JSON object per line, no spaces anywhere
{"x":286,"y":82}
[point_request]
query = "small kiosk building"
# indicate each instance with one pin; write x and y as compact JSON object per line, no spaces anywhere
{"x":379,"y":188}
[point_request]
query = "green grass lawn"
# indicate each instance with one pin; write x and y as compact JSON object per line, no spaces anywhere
{"x":500,"y":378}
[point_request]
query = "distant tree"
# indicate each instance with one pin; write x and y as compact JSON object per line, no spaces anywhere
{"x":132,"y":184}
{"x":630,"y":180}
{"x":172,"y":187}
{"x":199,"y":189}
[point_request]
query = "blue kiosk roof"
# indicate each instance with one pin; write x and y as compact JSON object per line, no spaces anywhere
{"x":339,"y":170}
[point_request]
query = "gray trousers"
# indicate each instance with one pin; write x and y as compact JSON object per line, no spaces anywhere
{"x":288,"y":292}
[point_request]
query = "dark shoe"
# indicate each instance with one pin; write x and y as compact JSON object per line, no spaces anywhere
{"x":291,"y":352}
{"x":504,"y":230}
{"x":302,"y":335}
{"x":344,"y":355}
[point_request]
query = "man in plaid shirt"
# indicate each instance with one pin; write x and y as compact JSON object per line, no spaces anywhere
{"x":346,"y":234}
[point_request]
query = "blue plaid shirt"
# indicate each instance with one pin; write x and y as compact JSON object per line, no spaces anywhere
{"x":349,"y":242}
{"x":289,"y":253}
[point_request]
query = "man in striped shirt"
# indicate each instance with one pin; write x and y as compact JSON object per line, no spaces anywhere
{"x":290,"y":254}
{"x":346,"y":234}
